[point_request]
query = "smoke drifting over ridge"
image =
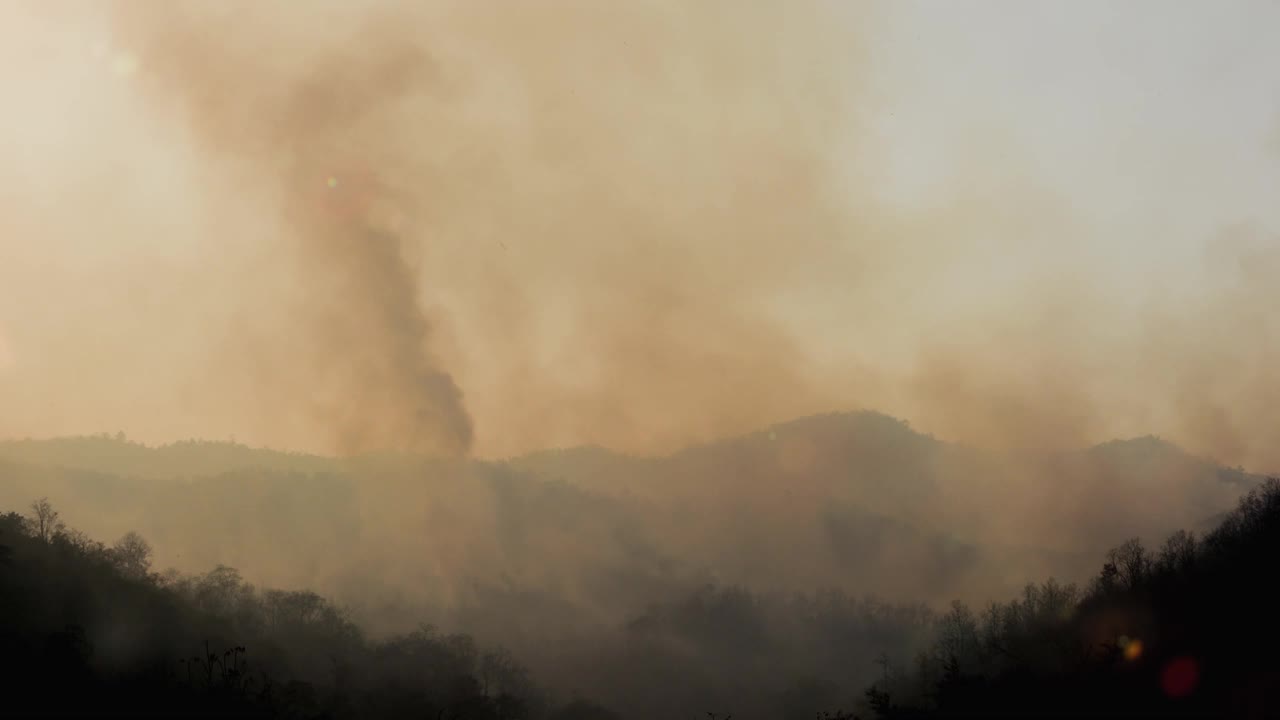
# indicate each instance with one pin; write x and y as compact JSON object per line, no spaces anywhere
{"x":592,"y":220}
{"x":638,"y":226}
{"x":289,"y":119}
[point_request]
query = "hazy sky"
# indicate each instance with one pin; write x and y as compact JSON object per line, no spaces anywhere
{"x":639,"y":225}
{"x":1155,"y":126}
{"x":1146,"y":115}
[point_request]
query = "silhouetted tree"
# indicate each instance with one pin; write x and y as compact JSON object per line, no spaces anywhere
{"x":1132,"y":562}
{"x":44,"y":520}
{"x":132,"y":555}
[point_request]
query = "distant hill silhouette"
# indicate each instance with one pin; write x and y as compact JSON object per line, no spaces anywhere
{"x":1050,"y":512}
{"x":859,"y":496}
{"x":115,"y":455}
{"x":739,"y":572}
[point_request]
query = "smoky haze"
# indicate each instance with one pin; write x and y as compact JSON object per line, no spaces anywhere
{"x":696,"y":353}
{"x":436,"y":228}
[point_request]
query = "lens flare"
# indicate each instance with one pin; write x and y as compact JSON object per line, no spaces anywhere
{"x":1180,"y":677}
{"x":1133,"y":650}
{"x":124,"y":64}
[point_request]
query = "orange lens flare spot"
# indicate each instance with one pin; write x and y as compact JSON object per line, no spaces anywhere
{"x":1133,"y":650}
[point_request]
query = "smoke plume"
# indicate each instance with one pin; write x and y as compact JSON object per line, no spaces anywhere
{"x":444,"y":228}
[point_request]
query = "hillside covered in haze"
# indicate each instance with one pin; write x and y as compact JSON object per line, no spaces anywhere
{"x":562,"y":555}
{"x":839,"y":500}
{"x":92,"y":628}
{"x":469,"y":362}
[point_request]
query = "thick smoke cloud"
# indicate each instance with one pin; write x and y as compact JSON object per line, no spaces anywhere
{"x":443,"y":228}
{"x":600,"y":204}
{"x":303,"y":122}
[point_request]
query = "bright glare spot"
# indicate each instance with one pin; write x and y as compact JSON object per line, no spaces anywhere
{"x":1133,"y":650}
{"x":124,"y":64}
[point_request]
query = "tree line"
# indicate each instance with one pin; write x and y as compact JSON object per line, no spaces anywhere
{"x":1183,"y":630}
{"x":1189,"y":629}
{"x":90,"y":629}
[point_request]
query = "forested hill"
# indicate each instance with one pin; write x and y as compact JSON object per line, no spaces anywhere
{"x":88,"y":630}
{"x":771,"y":575}
{"x":1188,"y":629}
{"x":116,"y":455}
{"x":859,"y":496}
{"x":1185,"y":630}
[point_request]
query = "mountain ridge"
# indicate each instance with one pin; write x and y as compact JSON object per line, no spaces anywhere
{"x":91,"y":451}
{"x":841,"y":499}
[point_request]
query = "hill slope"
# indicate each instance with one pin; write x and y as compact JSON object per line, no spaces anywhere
{"x":850,"y":500}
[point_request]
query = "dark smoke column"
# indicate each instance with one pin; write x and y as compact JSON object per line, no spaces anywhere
{"x":298,"y":111}
{"x":386,"y":391}
{"x":394,"y":396}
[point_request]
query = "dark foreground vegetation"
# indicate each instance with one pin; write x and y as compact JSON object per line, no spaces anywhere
{"x":1189,"y":629}
{"x":88,"y":630}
